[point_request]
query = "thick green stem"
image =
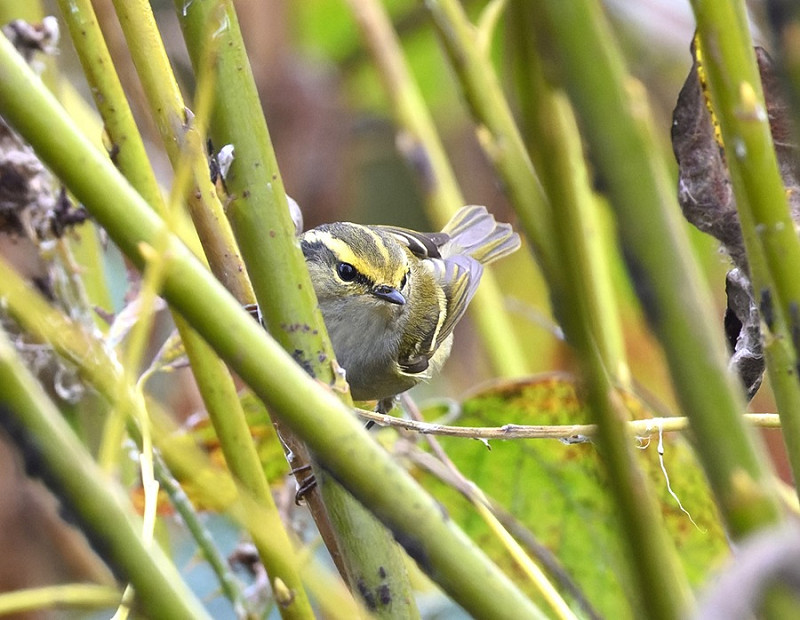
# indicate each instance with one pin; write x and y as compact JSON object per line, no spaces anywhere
{"x":498,"y":132}
{"x":584,"y":303}
{"x":652,"y":557}
{"x":312,"y":411}
{"x":213,"y":486}
{"x":773,"y":249}
{"x":261,"y":220}
{"x":215,"y":382}
{"x":127,"y":149}
{"x":91,"y":494}
{"x":182,"y":140}
{"x":278,"y":554}
{"x":661,"y":585}
{"x":80,"y":595}
{"x":675,"y":298}
{"x":556,"y":149}
{"x":29,"y":10}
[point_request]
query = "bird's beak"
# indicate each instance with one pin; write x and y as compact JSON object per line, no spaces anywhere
{"x":389,"y":293}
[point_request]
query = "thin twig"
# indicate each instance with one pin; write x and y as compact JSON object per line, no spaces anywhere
{"x":569,"y":433}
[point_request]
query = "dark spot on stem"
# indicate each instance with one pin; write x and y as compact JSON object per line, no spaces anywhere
{"x":415,"y":549}
{"x":765,"y":306}
{"x":113,"y":154}
{"x":794,"y":324}
{"x":299,"y":357}
{"x":367,"y":596}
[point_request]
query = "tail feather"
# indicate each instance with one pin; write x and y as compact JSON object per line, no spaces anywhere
{"x":473,"y":231}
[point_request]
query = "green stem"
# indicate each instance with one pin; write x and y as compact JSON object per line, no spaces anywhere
{"x":90,"y":493}
{"x":583,"y":302}
{"x":32,"y":12}
{"x":217,"y":491}
{"x":661,"y":584}
{"x":677,"y":303}
{"x":87,"y":250}
{"x":225,"y":411}
{"x":213,"y":379}
{"x":773,"y":250}
{"x":103,"y":374}
{"x":259,"y":211}
{"x":81,"y":595}
{"x":498,"y":132}
{"x":127,"y":150}
{"x":214,"y":487}
{"x":556,"y":149}
{"x":228,"y":583}
{"x":182,"y":139}
{"x":317,"y":415}
{"x":29,"y":10}
{"x":258,"y":208}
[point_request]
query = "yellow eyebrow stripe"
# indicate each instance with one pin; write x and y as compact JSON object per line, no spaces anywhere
{"x":342,"y":250}
{"x":380,"y":244}
{"x":402,"y":267}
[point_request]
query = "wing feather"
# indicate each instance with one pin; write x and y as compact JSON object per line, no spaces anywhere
{"x":422,"y":245}
{"x":459,"y":277}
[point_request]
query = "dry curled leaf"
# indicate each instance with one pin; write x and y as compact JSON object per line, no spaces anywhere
{"x":706,"y":197}
{"x":704,"y":186}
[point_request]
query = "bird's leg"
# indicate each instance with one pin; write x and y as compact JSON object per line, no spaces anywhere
{"x":255,"y":312}
{"x":304,"y":486}
{"x":384,"y":406}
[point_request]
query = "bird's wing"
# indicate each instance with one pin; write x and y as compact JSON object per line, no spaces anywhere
{"x":459,"y":277}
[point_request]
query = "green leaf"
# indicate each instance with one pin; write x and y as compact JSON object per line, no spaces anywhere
{"x":559,"y":491}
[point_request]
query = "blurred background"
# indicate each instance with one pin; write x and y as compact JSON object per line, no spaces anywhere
{"x":336,"y":145}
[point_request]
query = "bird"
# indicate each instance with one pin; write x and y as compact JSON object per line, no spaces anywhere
{"x":390,"y":297}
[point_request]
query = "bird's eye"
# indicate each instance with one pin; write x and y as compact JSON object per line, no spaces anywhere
{"x":346,"y":272}
{"x":404,"y":281}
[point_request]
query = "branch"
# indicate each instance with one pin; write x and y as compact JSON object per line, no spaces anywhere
{"x":569,"y":433}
